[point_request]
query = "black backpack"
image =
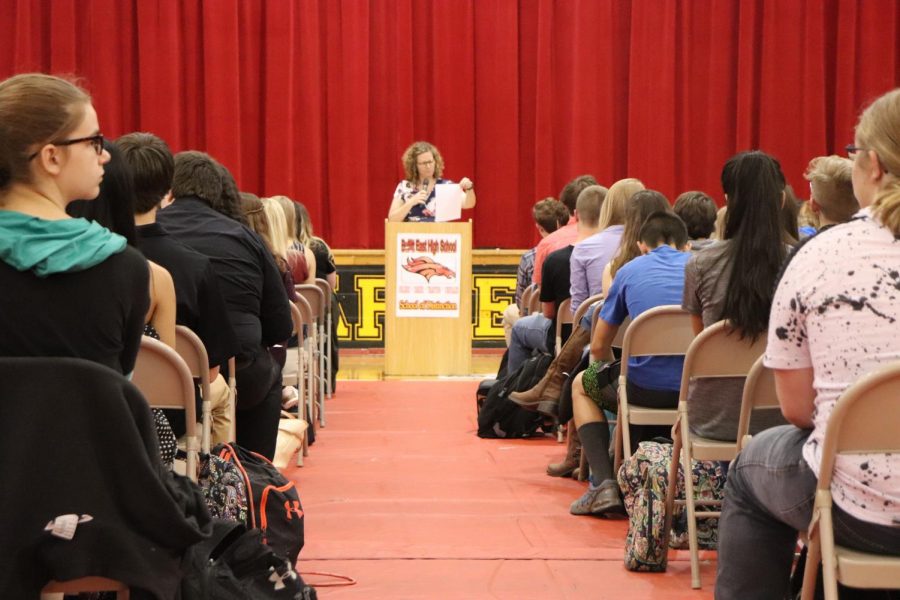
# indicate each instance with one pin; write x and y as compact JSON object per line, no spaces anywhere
{"x":234,"y":564}
{"x":499,"y":416}
{"x":275,"y":507}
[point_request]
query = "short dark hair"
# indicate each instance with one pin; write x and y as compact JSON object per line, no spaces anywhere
{"x":199,"y":174}
{"x":569,"y":194}
{"x":698,"y":211}
{"x":152,"y":168}
{"x":663,"y":227}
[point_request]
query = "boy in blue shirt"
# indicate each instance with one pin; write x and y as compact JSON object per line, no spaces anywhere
{"x":654,"y":279}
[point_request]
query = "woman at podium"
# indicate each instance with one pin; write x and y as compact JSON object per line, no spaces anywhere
{"x":414,"y":196}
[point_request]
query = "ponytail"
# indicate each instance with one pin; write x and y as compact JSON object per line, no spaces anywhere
{"x":886,"y":207}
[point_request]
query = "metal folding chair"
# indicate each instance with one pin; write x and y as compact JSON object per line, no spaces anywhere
{"x":317,"y":302}
{"x":863,"y":421}
{"x":165,"y":381}
{"x":718,"y":351}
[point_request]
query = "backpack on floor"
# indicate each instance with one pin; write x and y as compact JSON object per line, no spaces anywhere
{"x":643,"y":479}
{"x":500,"y":417}
{"x":275,"y":507}
{"x":234,"y":564}
{"x":223,"y":489}
{"x":481,"y":394}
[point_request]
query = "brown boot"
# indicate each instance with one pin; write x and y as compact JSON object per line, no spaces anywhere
{"x":546,"y":392}
{"x":573,"y":456}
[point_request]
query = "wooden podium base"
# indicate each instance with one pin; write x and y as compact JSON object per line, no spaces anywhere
{"x":428,"y":346}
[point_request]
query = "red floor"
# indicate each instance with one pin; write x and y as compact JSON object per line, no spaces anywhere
{"x":401,"y":495}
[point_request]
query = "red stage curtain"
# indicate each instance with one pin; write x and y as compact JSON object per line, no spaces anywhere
{"x":317,"y":99}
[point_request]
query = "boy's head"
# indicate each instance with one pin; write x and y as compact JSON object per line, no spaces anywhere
{"x":549,"y":215}
{"x":152,"y":167}
{"x":698,"y":211}
{"x":831,"y":187}
{"x":663,"y":229}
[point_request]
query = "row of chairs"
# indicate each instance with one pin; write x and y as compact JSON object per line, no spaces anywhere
{"x":718,"y":351}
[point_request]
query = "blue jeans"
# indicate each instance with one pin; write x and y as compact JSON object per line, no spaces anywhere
{"x":769,"y":497}
{"x":528,"y":333}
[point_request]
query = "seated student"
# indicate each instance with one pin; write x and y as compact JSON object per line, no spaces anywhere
{"x":833,"y":320}
{"x":549,"y":215}
{"x":589,"y":257}
{"x":698,"y":211}
{"x":206,"y":217}
{"x":539,"y":331}
{"x":654,"y":279}
{"x":734,"y":279}
{"x":565,"y":235}
{"x":199,"y":303}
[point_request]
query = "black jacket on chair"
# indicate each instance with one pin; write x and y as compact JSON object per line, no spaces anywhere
{"x":78,"y":438}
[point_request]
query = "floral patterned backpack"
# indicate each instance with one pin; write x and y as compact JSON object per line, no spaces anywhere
{"x":643,"y":479}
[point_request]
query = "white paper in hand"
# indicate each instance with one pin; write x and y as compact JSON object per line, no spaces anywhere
{"x":448,"y":200}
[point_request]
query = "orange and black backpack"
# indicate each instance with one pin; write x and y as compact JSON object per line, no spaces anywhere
{"x":274,"y":503}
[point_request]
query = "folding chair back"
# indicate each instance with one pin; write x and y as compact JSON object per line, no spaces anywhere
{"x":328,"y":342}
{"x":759,"y":393}
{"x":718,"y":351}
{"x":165,"y":381}
{"x":863,"y":421}
{"x":534,"y":302}
{"x":191,"y":349}
{"x":296,"y":374}
{"x":317,"y":302}
{"x":584,"y":307}
{"x":563,"y":317}
{"x":526,"y":301}
{"x":660,"y":331}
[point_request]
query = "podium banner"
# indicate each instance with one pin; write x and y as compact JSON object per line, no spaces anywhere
{"x":428,"y":267}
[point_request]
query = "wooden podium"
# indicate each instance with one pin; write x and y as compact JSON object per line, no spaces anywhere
{"x":420,"y":280}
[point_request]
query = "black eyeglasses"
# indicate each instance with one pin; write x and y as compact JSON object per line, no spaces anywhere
{"x":95,"y":140}
{"x":853,"y":150}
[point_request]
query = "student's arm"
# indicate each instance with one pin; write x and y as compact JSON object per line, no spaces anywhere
{"x":796,"y":395}
{"x":601,"y":340}
{"x":697,"y":324}
{"x":163,"y":317}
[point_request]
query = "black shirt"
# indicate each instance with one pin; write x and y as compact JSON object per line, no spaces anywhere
{"x":248,"y":278}
{"x":200,"y":304}
{"x":555,"y":276}
{"x":96,"y":314}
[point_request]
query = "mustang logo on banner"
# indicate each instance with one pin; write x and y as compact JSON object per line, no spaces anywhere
{"x":436,"y":259}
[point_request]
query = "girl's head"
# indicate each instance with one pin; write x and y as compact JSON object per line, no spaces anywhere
{"x":278,"y":236}
{"x":754,"y":188}
{"x":613,"y":211}
{"x":114,"y":206}
{"x":304,"y":225}
{"x":876,"y":159}
{"x":49,"y":129}
{"x":290,"y":219}
{"x":640,"y":206}
{"x":255,"y":216}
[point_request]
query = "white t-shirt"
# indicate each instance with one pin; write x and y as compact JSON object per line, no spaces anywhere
{"x":837,"y":310}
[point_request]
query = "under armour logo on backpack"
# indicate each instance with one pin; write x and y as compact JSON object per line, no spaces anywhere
{"x":279,"y":578}
{"x":292,"y":509}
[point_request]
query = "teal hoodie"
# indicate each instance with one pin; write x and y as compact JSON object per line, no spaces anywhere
{"x":49,"y":247}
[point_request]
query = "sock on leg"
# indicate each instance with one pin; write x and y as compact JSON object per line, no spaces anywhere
{"x":595,"y":444}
